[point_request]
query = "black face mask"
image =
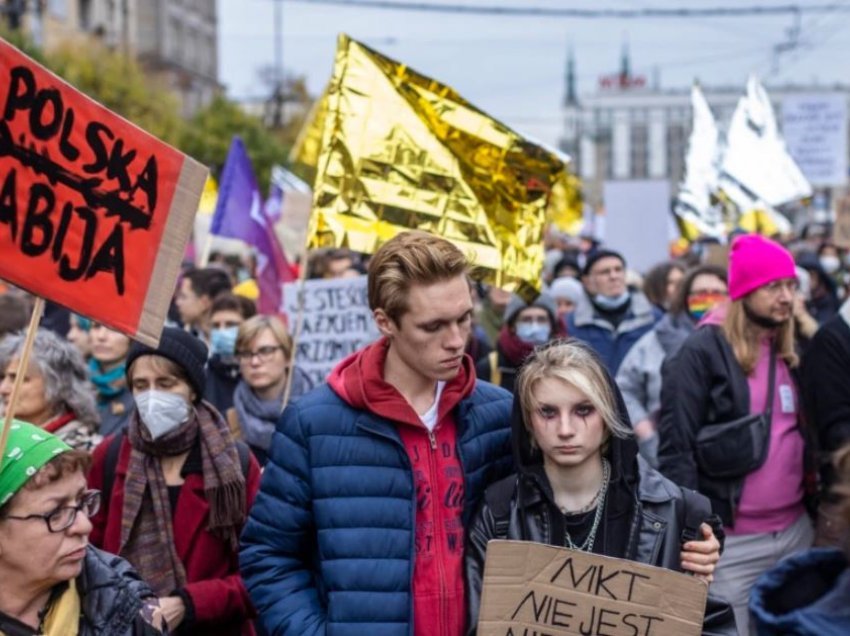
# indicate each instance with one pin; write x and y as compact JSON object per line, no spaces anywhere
{"x":764,"y":322}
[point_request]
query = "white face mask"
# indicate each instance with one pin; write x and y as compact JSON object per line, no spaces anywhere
{"x":830,"y":264}
{"x":161,"y":412}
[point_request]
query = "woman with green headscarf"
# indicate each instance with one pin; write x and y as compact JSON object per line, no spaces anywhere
{"x":54,"y":582}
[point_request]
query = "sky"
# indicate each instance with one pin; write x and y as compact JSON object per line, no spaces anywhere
{"x":514,"y":67}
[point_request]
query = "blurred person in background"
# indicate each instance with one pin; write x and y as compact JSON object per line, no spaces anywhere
{"x":567,"y":292}
{"x":662,"y":282}
{"x":639,"y":377}
{"x":54,"y":582}
{"x":567,"y":267}
{"x":491,"y":311}
{"x":178,"y":489}
{"x":107,"y":371}
{"x":55,"y":395}
{"x":610,"y":317}
{"x":823,"y":299}
{"x":15,"y":313}
{"x":527,"y":325}
{"x":198,"y":289}
{"x":79,"y":336}
{"x":264,"y":350}
{"x":227,"y":314}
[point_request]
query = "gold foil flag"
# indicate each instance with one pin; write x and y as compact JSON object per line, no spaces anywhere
{"x":566,"y":210}
{"x":401,"y":151}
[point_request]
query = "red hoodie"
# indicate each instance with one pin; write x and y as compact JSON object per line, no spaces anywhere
{"x":439,"y":603}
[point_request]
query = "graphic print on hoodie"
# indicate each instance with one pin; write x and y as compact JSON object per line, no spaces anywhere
{"x":439,"y":600}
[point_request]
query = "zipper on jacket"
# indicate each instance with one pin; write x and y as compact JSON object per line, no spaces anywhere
{"x":439,"y":541}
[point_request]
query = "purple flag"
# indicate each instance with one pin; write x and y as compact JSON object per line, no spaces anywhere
{"x":240,"y":214}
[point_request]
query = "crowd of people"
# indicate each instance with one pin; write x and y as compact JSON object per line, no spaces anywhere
{"x":695,"y":418}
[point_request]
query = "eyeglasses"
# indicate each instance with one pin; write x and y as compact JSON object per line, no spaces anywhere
{"x":263,"y":354}
{"x":790,"y":284}
{"x":64,"y":517}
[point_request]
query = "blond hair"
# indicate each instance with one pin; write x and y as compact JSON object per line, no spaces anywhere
{"x":743,"y":338}
{"x":252,"y":327}
{"x":410,"y":258}
{"x":576,"y":364}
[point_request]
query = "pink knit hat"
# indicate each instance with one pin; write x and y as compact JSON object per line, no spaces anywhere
{"x":755,"y":261}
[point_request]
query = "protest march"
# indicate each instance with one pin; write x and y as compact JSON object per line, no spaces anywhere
{"x":422,"y":374}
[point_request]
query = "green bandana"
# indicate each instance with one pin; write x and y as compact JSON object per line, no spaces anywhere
{"x":28,"y":449}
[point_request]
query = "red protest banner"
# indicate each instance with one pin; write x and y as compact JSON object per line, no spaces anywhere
{"x":95,"y":213}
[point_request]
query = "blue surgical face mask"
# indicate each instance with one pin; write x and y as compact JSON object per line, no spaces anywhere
{"x":223,"y":341}
{"x":533,"y":332}
{"x":611,"y":302}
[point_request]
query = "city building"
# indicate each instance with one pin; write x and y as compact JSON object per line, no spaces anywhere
{"x":629,"y":128}
{"x":175,"y":40}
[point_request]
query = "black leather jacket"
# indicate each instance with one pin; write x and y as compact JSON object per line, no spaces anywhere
{"x":650,"y":508}
{"x":112,"y":596}
{"x":703,"y":384}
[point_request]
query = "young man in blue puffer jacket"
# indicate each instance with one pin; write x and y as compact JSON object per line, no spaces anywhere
{"x":359,"y":524}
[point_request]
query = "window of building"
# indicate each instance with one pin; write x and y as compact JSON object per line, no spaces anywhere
{"x":639,"y":149}
{"x":85,"y":13}
{"x":676,"y":147}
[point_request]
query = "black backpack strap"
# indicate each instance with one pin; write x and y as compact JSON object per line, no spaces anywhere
{"x":697,"y":511}
{"x":110,"y":463}
{"x":498,"y":498}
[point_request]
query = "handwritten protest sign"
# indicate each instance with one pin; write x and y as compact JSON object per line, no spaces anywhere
{"x":815,"y":130}
{"x":94,"y":212}
{"x":534,"y":589}
{"x":336,"y":322}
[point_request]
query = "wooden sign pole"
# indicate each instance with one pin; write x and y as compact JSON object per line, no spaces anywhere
{"x":23,"y":366}
{"x":299,"y":322}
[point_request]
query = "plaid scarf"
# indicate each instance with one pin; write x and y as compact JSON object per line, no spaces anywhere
{"x":147,"y":534}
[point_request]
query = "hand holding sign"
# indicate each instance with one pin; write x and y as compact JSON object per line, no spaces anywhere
{"x":530,"y":588}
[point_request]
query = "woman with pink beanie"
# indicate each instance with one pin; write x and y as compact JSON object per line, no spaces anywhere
{"x":731,"y":423}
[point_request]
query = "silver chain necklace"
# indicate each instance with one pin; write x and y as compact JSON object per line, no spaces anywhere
{"x":587,"y":545}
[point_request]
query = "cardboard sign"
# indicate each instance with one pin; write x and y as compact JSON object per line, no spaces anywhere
{"x":336,"y":323}
{"x":534,"y":589}
{"x":638,"y":208}
{"x":841,"y":227}
{"x":815,"y":130}
{"x":94,"y":212}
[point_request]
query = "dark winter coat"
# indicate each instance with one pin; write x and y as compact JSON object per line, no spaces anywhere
{"x":115,"y":412}
{"x":702,"y":384}
{"x":807,"y":594}
{"x":825,"y":384}
{"x":222,"y":377}
{"x":111,"y":596}
{"x":338,"y":497}
{"x":111,"y":599}
{"x":644,"y":516}
{"x":218,"y":602}
{"x":610,"y":342}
